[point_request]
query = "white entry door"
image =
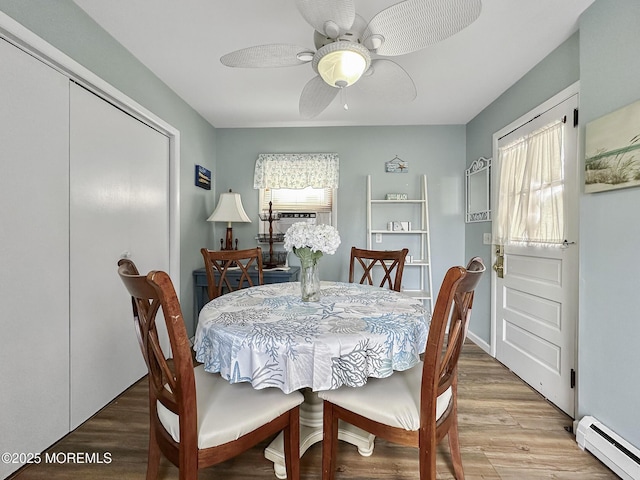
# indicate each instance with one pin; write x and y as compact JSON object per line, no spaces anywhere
{"x":535,"y":303}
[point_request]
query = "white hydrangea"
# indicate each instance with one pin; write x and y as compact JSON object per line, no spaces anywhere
{"x":317,"y":238}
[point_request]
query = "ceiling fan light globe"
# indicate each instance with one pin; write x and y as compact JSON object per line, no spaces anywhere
{"x":342,"y":68}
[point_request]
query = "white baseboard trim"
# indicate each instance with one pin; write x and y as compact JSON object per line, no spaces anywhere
{"x":478,"y":341}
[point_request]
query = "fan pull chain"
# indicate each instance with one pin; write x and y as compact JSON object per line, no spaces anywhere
{"x":343,"y":98}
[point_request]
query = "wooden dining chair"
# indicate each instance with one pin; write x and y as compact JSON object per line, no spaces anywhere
{"x":198,"y":419}
{"x":391,"y":261}
{"x":224,"y":261}
{"x":416,"y":407}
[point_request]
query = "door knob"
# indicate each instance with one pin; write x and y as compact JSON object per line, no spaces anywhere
{"x":498,"y":267}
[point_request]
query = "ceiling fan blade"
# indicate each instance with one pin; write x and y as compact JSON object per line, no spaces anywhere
{"x":316,"y":96}
{"x":414,"y":24}
{"x":330,"y":17}
{"x":264,"y":56}
{"x":388,"y":81}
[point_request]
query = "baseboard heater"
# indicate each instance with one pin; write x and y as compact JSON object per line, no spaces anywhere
{"x":610,"y":448}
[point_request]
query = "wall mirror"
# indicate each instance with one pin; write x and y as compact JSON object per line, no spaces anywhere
{"x":478,"y":191}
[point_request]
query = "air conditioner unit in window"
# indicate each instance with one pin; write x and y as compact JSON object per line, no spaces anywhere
{"x":284,"y":221}
{"x":289,"y":218}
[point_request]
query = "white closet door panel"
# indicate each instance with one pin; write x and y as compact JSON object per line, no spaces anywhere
{"x":34,"y":253}
{"x":119,"y":206}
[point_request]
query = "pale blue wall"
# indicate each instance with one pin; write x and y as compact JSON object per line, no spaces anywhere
{"x":603,"y":56}
{"x":65,"y":26}
{"x":556,"y":72}
{"x":438,"y":151}
{"x":609,"y":329}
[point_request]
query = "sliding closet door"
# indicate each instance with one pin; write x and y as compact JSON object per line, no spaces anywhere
{"x":119,"y":206}
{"x":34,"y":254}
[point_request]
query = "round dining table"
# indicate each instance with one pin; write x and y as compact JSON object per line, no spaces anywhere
{"x":267,"y":336}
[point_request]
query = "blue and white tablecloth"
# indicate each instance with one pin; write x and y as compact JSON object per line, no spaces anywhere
{"x":268,"y":336}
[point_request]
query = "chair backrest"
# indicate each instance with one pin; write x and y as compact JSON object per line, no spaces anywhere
{"x":391,"y":261}
{"x":172,"y":383}
{"x":224,"y":261}
{"x":453,"y":307}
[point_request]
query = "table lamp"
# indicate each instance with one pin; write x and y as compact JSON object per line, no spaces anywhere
{"x":229,"y":209}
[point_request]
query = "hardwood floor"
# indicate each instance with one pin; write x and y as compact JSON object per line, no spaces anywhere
{"x":507,"y":431}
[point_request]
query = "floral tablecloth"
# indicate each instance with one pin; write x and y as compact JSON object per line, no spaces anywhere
{"x":268,"y":336}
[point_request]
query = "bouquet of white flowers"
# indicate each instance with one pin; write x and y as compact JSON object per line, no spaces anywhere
{"x":309,"y":242}
{"x":318,"y":239}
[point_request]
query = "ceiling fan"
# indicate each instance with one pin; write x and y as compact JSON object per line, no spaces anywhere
{"x":347,"y":47}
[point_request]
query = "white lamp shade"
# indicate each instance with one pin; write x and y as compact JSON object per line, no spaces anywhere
{"x":229,"y":209}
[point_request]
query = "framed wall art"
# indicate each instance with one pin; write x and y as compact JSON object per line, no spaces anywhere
{"x":203,"y":177}
{"x":612,"y":151}
{"x":396,"y":165}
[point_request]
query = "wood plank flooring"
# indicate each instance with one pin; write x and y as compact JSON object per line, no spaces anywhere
{"x":507,"y":431}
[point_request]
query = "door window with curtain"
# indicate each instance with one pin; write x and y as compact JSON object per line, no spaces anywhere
{"x":531,"y":189}
{"x":305,"y":182}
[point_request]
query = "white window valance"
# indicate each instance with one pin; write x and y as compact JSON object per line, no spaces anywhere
{"x":296,"y":170}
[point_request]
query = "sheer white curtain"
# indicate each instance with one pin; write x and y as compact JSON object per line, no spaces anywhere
{"x":531,"y":187}
{"x":296,"y":170}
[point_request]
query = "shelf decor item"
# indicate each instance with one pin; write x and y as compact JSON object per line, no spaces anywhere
{"x":309,"y":242}
{"x":396,"y":196}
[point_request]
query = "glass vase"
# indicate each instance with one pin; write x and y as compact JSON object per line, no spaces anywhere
{"x":310,"y":282}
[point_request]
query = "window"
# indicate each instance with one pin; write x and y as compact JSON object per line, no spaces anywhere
{"x":298,"y":183}
{"x":531,"y":189}
{"x":297,"y":199}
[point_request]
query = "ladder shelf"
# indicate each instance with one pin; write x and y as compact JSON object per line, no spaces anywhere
{"x":417,"y":281}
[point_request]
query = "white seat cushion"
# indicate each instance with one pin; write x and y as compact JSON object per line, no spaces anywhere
{"x":393,"y":401}
{"x":226,"y":412}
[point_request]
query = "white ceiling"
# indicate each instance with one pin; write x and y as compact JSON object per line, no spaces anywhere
{"x":182,"y":42}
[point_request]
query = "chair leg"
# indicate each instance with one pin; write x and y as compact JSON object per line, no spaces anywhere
{"x":187,"y":460}
{"x":188,"y":470}
{"x":329,"y":441}
{"x":292,"y":445}
{"x":428,"y":462}
{"x":454,"y":447}
{"x":153,"y":458}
